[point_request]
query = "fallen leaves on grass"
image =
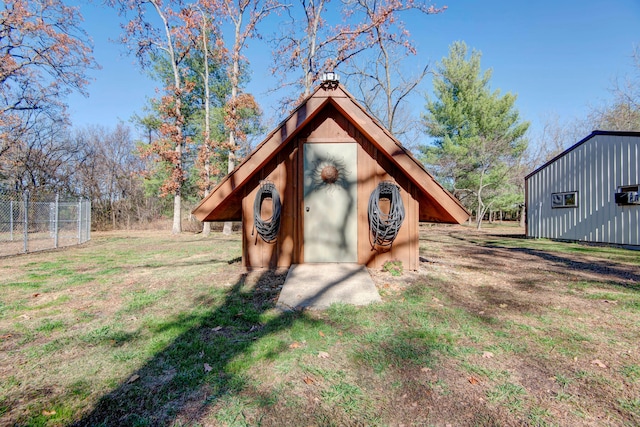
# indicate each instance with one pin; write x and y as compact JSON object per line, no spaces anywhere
{"x":323,"y":355}
{"x":207,"y":367}
{"x":133,"y":378}
{"x":48,"y":413}
{"x":474,"y":380}
{"x":599,"y":363}
{"x":487,"y":355}
{"x":295,"y":344}
{"x":308,"y":380}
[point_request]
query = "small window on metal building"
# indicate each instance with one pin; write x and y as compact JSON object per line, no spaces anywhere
{"x":564,"y":200}
{"x":628,"y":195}
{"x":627,"y":188}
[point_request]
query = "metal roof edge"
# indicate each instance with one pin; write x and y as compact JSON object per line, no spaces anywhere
{"x":579,"y":143}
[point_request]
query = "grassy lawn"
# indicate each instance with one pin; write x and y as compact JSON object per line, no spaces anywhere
{"x":145,"y":329}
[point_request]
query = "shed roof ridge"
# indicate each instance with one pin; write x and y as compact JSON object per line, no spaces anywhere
{"x":364,"y":122}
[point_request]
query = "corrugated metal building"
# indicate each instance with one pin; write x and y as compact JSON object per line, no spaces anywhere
{"x":589,"y":192}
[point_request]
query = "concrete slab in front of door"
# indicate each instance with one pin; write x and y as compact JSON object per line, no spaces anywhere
{"x":317,"y":286}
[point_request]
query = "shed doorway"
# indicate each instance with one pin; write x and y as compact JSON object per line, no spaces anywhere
{"x":330,"y":202}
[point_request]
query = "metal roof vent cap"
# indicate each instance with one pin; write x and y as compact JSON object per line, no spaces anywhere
{"x":330,"y":79}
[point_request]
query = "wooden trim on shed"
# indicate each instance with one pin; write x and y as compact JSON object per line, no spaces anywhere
{"x":403,"y":160}
{"x":329,"y":116}
{"x":263,"y":153}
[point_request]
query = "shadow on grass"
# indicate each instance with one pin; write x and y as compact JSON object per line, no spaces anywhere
{"x":621,"y":276}
{"x":206,"y":362}
{"x":509,"y":236}
{"x":618,"y":274}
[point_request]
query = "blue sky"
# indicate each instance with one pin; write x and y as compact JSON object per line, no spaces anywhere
{"x":560,"y":57}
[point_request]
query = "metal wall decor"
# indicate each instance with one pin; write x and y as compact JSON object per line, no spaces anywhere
{"x":329,"y":172}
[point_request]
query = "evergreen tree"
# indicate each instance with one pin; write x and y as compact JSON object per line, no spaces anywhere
{"x":478,"y":134}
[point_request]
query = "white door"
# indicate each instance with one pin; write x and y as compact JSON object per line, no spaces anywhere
{"x":330,"y":202}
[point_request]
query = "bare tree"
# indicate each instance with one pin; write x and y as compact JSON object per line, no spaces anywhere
{"x":309,"y":45}
{"x":166,"y":34}
{"x":555,"y":136}
{"x":40,"y":155}
{"x":108,"y":172}
{"x":45,"y":55}
{"x":207,"y":146}
{"x":623,"y":112}
{"x":383,"y":84}
{"x":244,"y":16}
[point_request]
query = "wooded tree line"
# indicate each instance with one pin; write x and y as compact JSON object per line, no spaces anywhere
{"x":200,"y":125}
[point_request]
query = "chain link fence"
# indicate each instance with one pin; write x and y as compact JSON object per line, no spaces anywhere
{"x":30,"y":222}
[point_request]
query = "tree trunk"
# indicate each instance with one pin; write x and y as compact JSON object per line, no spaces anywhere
{"x":235,"y":83}
{"x":206,"y":228}
{"x":177,"y":196}
{"x":113,"y":215}
{"x":482,"y":209}
{"x":228,"y":225}
{"x":177,"y":207}
{"x":480,"y":212}
{"x":177,"y":200}
{"x":522,"y":216}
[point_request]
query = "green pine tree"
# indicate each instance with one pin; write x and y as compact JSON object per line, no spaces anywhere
{"x":478,"y":134}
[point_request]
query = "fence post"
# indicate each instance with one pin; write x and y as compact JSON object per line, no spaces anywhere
{"x":87,"y":206}
{"x":79,"y":221}
{"x":11,"y":218}
{"x":25,"y":225}
{"x":56,"y":218}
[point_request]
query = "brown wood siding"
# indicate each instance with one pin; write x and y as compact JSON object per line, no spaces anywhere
{"x":285,"y":170}
{"x":373,"y":168}
{"x":219,"y":205}
{"x":282,"y":170}
{"x":328,"y":126}
{"x":312,"y":121}
{"x":447,"y":205}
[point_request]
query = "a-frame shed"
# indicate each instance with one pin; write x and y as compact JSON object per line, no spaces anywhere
{"x":325,"y":161}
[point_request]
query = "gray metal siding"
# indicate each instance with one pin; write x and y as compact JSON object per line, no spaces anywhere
{"x":595,"y":170}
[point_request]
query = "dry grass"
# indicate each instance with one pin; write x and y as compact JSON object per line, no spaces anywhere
{"x":147,"y":329}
